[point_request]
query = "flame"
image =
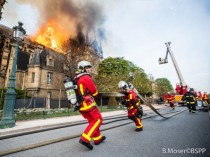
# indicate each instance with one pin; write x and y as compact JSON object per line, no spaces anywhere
{"x":51,"y":35}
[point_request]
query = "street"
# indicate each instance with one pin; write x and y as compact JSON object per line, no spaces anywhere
{"x":185,"y":134}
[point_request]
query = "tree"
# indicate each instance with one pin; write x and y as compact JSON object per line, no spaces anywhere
{"x":163,"y":85}
{"x":113,"y":70}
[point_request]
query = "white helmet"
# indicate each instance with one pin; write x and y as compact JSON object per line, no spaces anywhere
{"x":122,"y":84}
{"x":82,"y":64}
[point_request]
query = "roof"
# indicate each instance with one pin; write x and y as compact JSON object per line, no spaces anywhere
{"x":22,"y":60}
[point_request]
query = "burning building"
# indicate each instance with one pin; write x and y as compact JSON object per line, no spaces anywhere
{"x":41,"y":69}
{"x":66,"y":34}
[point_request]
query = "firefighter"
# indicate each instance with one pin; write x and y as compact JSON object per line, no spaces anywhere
{"x":196,"y":96}
{"x":88,"y":91}
{"x":130,"y":100}
{"x":205,"y":98}
{"x":170,"y":99}
{"x":190,"y":99}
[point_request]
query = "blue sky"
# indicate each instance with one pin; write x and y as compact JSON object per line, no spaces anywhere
{"x":138,"y":29}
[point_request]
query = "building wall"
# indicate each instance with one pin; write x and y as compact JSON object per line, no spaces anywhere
{"x":20,"y":79}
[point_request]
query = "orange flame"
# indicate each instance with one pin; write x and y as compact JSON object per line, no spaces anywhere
{"x":51,"y":35}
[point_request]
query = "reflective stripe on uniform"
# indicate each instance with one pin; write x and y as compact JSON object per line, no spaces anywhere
{"x":131,"y":97}
{"x":139,"y":123}
{"x":190,"y":102}
{"x":87,"y":136}
{"x":129,"y":108}
{"x":95,"y":93}
{"x":97,"y":138}
{"x":81,"y":89}
{"x":86,"y":107}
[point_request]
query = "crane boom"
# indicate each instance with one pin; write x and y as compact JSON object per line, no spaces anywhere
{"x":165,"y":60}
{"x":182,"y":82}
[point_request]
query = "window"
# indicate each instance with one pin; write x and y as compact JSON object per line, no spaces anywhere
{"x":49,"y":78}
{"x":32,"y":77}
{"x":50,"y":62}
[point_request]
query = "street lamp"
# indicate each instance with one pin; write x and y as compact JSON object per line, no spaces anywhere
{"x":8,"y":120}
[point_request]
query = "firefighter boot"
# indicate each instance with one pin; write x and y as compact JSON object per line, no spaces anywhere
{"x":102,"y":139}
{"x":139,"y":129}
{"x":88,"y":145}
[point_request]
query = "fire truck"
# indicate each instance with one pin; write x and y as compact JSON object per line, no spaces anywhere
{"x":181,"y":88}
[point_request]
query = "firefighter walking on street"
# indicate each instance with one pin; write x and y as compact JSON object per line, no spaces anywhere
{"x":131,"y":102}
{"x":87,"y":91}
{"x":190,"y":99}
{"x":170,"y":99}
{"x":205,"y":98}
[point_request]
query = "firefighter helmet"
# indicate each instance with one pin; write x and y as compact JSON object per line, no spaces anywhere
{"x":83,"y":64}
{"x":123,"y":85}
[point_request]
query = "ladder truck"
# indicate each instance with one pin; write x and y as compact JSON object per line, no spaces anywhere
{"x":181,"y":88}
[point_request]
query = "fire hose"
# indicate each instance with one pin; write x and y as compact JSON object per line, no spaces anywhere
{"x":145,"y":102}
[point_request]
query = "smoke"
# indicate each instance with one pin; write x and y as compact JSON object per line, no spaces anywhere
{"x":70,"y":14}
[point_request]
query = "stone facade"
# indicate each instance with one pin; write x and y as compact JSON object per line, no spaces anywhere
{"x":40,"y":71}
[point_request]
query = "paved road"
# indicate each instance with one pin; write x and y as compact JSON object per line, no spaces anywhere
{"x":184,"y":135}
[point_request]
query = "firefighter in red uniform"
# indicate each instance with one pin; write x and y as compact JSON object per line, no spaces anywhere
{"x":87,"y":91}
{"x":131,"y":102}
{"x":205,"y":98}
{"x":170,"y":99}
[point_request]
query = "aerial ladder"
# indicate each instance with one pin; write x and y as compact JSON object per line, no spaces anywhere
{"x":181,"y":88}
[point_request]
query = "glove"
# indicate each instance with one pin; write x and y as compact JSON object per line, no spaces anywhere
{"x":76,"y":107}
{"x":139,"y":111}
{"x":98,"y":96}
{"x":124,"y":102}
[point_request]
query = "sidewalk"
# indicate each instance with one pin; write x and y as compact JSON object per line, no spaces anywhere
{"x":33,"y":125}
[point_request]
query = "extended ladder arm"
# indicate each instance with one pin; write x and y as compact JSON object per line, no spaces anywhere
{"x":165,"y":60}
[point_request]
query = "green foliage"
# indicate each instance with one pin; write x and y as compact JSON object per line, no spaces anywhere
{"x":20,"y":94}
{"x":163,"y":85}
{"x":116,"y":66}
{"x":41,"y":113}
{"x":113,"y":70}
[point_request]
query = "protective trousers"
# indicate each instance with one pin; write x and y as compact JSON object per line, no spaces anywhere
{"x":191,"y":107}
{"x":132,"y":115}
{"x":94,"y":119}
{"x":172,"y":105}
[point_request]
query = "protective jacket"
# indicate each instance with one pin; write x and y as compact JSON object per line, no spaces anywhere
{"x":130,"y":99}
{"x":87,"y":90}
{"x":189,"y":97}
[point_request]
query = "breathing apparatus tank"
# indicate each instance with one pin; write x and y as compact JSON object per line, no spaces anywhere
{"x":70,"y":92}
